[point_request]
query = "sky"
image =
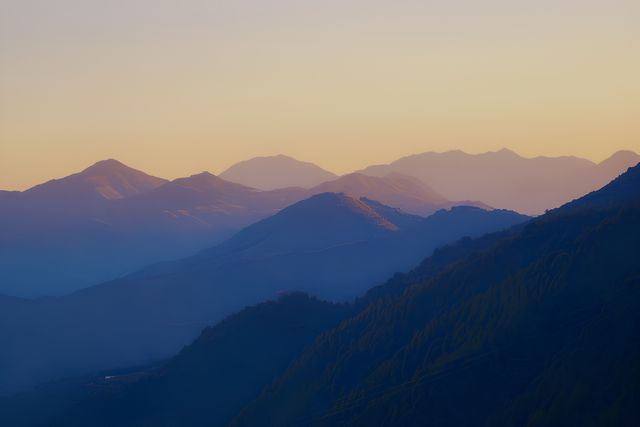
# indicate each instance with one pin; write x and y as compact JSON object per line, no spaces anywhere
{"x":178,"y":87}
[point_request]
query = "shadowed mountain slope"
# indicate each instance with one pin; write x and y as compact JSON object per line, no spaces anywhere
{"x":338,"y":255}
{"x":228,"y":364}
{"x":539,"y":329}
{"x":110,"y":220}
{"x":319,"y":222}
{"x":273,"y":172}
{"x":207,"y":383}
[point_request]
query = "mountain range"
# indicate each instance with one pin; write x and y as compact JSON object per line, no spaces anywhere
{"x":534,"y":325}
{"x":504,"y":179}
{"x":397,"y":190}
{"x":331,"y":245}
{"x":110,"y":220}
{"x":539,"y":328}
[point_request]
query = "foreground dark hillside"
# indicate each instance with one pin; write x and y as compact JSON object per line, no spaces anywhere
{"x":224,"y":369}
{"x":206,"y":384}
{"x":542,"y":329}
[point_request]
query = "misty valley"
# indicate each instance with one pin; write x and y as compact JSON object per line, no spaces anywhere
{"x":423,"y":292}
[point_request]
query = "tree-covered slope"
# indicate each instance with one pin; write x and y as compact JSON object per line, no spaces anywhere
{"x":541,"y":329}
{"x":207,"y":383}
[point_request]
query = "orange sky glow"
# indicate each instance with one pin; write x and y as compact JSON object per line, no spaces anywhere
{"x":174,"y":88}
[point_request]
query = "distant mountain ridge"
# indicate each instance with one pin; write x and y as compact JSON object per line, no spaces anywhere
{"x":131,"y":219}
{"x":57,"y":236}
{"x":394,"y":189}
{"x":504,"y":179}
{"x":109,"y":220}
{"x":274,"y":172}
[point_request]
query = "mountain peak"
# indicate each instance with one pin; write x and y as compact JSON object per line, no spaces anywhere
{"x":507,"y":152}
{"x":394,"y":189}
{"x":328,"y":203}
{"x":204,"y":175}
{"x":333,"y":210}
{"x":109,"y":167}
{"x":621,"y":157}
{"x":107,"y":164}
{"x":322,"y":221}
{"x":107,"y":179}
{"x":206,"y":181}
{"x":273,"y":172}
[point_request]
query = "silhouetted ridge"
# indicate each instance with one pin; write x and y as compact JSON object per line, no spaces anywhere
{"x":623,"y":189}
{"x":219,"y":366}
{"x":538,"y":327}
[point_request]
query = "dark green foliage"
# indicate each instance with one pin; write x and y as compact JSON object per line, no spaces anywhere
{"x":440,"y":259}
{"x":541,"y":329}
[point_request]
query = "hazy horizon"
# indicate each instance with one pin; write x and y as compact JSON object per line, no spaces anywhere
{"x":175,"y":87}
{"x":188,"y":172}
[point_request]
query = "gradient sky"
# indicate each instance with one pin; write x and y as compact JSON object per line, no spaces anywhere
{"x":177,"y":87}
